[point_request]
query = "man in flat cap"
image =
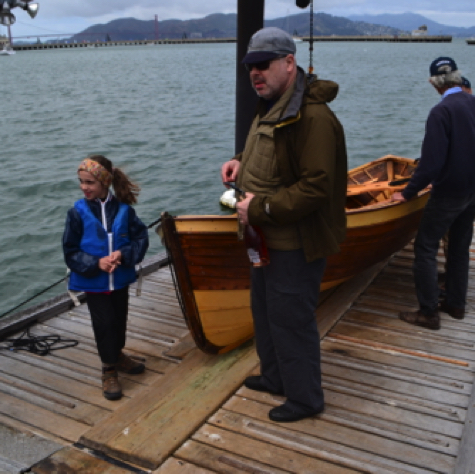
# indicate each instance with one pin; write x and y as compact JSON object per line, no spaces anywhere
{"x":294,"y":171}
{"x":448,"y":164}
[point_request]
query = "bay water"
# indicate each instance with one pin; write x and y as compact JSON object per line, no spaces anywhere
{"x":165,"y":115}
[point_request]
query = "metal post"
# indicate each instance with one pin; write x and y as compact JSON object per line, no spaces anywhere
{"x":10,"y":35}
{"x":250,"y":18}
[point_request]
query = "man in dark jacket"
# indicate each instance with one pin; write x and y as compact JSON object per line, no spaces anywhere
{"x":447,"y":162}
{"x":294,"y":172}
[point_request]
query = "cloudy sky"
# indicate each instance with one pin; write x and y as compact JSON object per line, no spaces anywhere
{"x":72,"y":16}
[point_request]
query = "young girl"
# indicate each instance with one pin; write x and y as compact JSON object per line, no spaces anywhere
{"x":102,"y":242}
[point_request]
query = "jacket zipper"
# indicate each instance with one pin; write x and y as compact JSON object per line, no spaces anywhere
{"x":109,"y":239}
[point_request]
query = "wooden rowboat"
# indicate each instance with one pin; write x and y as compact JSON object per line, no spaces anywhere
{"x":212,"y":271}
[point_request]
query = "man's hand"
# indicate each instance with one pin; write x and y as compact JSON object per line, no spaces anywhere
{"x":230,"y":170}
{"x":242,"y":208}
{"x":398,"y":197}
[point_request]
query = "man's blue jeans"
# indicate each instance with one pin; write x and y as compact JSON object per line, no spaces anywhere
{"x":442,"y":214}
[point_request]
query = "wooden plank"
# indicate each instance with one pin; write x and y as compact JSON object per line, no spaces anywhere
{"x":420,"y":340}
{"x":35,"y":416}
{"x":135,"y":323}
{"x":86,"y":390}
{"x":379,"y":382}
{"x":69,"y":460}
{"x":178,"y":466}
{"x":27,"y":429}
{"x":396,"y":374}
{"x":388,"y":409}
{"x":331,"y":310}
{"x":455,"y":375}
{"x":135,"y":341}
{"x":191,"y":392}
{"x":269,"y":454}
{"x":402,"y":400}
{"x":219,"y":460}
{"x":328,"y":441}
{"x":61,"y":404}
{"x":465,"y":462}
{"x":456,"y":332}
{"x":182,"y":348}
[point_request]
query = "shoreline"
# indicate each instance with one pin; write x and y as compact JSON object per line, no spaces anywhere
{"x":106,"y":44}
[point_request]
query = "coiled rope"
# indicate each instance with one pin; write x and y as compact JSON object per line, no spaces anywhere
{"x":40,"y":345}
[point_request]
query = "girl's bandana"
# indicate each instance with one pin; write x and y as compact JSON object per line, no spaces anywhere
{"x":97,"y":170}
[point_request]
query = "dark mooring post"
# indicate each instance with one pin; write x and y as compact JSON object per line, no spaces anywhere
{"x":250,"y":18}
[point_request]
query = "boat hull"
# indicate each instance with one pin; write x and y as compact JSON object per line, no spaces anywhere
{"x":212,"y":270}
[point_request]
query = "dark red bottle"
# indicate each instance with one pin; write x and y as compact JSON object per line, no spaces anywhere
{"x":254,"y":239}
{"x":256,"y":246}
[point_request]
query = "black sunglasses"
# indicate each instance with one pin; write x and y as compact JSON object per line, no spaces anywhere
{"x":263,"y":65}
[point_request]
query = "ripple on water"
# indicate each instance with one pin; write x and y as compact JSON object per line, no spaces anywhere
{"x":166,"y":115}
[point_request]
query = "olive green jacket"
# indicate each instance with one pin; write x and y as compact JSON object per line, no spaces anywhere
{"x":311,"y":157}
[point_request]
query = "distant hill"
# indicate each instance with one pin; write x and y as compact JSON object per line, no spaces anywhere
{"x":221,"y":25}
{"x":412,"y":21}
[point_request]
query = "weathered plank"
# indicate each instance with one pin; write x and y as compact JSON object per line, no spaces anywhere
{"x":191,"y":392}
{"x":327,"y":441}
{"x":178,"y":466}
{"x":69,"y":460}
{"x":37,"y":417}
{"x":345,"y":350}
{"x":465,"y":463}
{"x":268,"y":453}
{"x":223,"y":461}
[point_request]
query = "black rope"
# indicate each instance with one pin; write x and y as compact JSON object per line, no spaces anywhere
{"x":154,"y":223}
{"x":40,"y":345}
{"x":57,"y":283}
{"x":33,"y":297}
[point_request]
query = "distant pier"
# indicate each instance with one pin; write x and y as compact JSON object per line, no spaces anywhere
{"x":105,"y":44}
{"x":386,"y":38}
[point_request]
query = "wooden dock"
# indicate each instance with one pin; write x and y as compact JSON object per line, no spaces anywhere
{"x":399,"y":399}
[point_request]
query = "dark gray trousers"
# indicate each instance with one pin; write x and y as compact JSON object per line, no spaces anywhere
{"x":442,"y":215}
{"x":284,"y":296}
{"x":109,"y":322}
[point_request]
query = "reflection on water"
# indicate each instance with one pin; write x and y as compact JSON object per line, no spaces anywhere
{"x":166,"y":115}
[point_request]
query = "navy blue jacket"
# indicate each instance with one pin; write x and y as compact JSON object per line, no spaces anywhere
{"x":88,"y":265}
{"x":448,"y":151}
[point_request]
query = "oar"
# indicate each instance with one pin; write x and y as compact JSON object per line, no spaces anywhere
{"x":395,"y":185}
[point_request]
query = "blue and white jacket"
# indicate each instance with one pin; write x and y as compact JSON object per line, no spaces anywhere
{"x":86,"y":240}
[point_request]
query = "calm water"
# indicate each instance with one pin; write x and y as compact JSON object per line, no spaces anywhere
{"x":165,"y":114}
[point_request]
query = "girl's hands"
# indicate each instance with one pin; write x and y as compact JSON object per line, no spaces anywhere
{"x":111,"y":262}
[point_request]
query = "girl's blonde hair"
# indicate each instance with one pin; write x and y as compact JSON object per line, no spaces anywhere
{"x":124,"y":189}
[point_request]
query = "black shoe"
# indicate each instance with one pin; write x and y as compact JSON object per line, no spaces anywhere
{"x":456,"y":313}
{"x":284,"y":414}
{"x":253,"y":382}
{"x":418,"y":318}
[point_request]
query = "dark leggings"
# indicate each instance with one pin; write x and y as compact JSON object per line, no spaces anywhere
{"x":109,"y":322}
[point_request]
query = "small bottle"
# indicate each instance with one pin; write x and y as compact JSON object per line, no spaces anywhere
{"x":256,"y":246}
